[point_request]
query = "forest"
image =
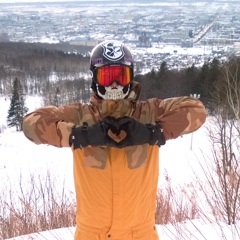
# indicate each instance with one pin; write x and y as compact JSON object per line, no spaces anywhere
{"x":60,"y":74}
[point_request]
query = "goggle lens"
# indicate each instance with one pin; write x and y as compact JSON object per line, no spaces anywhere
{"x":107,"y":74}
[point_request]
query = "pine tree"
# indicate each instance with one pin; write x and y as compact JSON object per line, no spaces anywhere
{"x":17,"y":108}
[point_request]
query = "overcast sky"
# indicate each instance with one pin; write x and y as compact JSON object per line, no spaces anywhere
{"x":24,"y":1}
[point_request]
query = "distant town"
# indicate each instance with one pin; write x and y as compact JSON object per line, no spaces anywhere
{"x":178,"y":32}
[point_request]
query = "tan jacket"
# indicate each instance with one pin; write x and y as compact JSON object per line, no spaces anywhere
{"x":115,"y":188}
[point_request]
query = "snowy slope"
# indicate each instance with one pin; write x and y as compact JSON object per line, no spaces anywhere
{"x":205,"y":232}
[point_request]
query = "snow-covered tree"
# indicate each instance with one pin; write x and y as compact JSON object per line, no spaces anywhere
{"x":17,"y":108}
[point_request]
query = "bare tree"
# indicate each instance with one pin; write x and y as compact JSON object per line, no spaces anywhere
{"x":232,"y":86}
{"x":222,"y":171}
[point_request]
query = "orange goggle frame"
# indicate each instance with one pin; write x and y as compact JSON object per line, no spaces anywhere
{"x":106,"y":75}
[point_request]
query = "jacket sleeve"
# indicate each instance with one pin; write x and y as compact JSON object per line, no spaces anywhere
{"x":180,"y":115}
{"x":50,"y":125}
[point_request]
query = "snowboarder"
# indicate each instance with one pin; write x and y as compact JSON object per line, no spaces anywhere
{"x":115,"y":141}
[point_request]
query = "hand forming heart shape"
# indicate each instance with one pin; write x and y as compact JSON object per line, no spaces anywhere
{"x":116,"y":125}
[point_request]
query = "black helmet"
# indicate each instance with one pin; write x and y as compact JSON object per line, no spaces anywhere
{"x":110,"y":53}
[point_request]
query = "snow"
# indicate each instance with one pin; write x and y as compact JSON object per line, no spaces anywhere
{"x":206,"y":232}
{"x":20,"y":157}
{"x":58,"y":234}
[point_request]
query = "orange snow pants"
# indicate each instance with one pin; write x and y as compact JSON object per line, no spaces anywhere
{"x":141,"y":232}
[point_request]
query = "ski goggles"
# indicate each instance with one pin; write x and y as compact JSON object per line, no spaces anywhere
{"x":106,"y":75}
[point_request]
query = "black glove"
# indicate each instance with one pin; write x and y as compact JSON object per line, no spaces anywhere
{"x":139,"y":133}
{"x":95,"y":135}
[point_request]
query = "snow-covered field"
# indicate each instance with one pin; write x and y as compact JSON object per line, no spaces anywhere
{"x":20,"y":157}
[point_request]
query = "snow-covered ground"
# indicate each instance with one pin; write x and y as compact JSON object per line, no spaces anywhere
{"x":205,"y":232}
{"x":20,"y":157}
